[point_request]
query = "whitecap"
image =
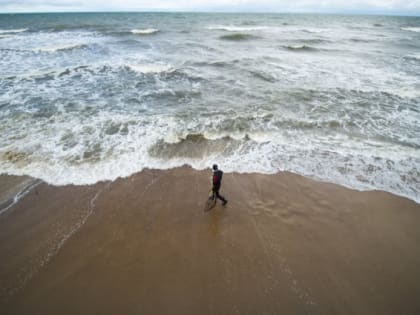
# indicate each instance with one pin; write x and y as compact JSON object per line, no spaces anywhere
{"x":146,"y":31}
{"x":59,"y":48}
{"x":13,"y":31}
{"x":296,"y":46}
{"x":411,"y":29}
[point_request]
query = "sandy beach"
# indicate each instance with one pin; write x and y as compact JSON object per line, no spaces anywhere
{"x":284,"y":244}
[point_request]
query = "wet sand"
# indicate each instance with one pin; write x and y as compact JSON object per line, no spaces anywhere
{"x":284,"y":244}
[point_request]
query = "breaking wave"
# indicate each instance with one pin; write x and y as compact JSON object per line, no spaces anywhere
{"x":12,"y":31}
{"x":411,"y":29}
{"x":146,"y":31}
{"x":52,"y":49}
{"x":195,"y":146}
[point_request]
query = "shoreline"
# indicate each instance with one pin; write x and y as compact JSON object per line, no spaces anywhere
{"x":19,"y":181}
{"x":284,"y":243}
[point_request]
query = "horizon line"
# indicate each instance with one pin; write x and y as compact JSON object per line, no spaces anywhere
{"x":366,"y":13}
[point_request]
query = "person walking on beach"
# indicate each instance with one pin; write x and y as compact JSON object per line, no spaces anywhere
{"x":217,"y":182}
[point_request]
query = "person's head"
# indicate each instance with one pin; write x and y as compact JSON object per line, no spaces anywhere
{"x":214,"y":167}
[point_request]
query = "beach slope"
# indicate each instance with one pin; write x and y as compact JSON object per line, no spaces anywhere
{"x":284,"y":244}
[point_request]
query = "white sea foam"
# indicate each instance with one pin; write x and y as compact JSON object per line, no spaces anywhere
{"x":411,"y":29}
{"x":151,"y":68}
{"x":21,"y":30}
{"x":146,"y":31}
{"x":56,"y":48}
{"x":272,"y":29}
{"x":338,"y":159}
{"x":313,"y":30}
{"x":26,"y":189}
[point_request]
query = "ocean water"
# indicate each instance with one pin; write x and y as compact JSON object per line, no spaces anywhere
{"x":93,"y":96}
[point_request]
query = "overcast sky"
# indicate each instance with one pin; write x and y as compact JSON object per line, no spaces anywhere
{"x":411,"y":7}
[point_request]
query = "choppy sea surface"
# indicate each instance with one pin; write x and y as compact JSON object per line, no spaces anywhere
{"x":86,"y":97}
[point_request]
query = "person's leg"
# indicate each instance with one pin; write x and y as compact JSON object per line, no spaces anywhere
{"x":216,"y":191}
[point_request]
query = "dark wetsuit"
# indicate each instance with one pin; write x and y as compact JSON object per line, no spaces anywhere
{"x":217,"y":182}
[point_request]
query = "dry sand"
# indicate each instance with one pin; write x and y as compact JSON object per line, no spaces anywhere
{"x":284,"y":244}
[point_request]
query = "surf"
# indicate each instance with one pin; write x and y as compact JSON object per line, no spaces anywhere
{"x":151,"y":68}
{"x":146,"y":31}
{"x":13,"y":31}
{"x":60,"y":48}
{"x":411,"y":29}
